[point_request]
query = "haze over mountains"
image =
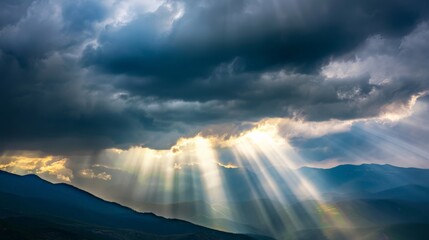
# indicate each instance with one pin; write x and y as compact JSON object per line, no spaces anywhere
{"x":205,"y":110}
{"x":378,"y":200}
{"x":32,"y":208}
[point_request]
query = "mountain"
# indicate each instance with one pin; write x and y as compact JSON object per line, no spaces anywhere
{"x":366,"y":178}
{"x":411,"y":192}
{"x":379,"y":202}
{"x":414,"y":231}
{"x":31,"y":208}
{"x":375,"y":199}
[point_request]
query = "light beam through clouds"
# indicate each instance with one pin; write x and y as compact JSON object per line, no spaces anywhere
{"x":196,"y":169}
{"x":212,"y":106}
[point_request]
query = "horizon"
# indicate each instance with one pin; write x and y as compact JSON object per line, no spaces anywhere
{"x":166,"y":101}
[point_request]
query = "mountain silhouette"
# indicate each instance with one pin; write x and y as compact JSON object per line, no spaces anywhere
{"x":32,"y":208}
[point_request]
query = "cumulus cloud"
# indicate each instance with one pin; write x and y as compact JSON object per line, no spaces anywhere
{"x":190,"y":38}
{"x":30,"y":162}
{"x":82,"y":76}
{"x":89,"y":173}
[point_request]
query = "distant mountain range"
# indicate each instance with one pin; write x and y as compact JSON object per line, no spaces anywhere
{"x":373,"y":197}
{"x":366,"y":178}
{"x":378,"y":202}
{"x":32,"y":208}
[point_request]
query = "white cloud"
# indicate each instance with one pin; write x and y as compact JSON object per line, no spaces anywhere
{"x":30,"y":162}
{"x":89,"y":173}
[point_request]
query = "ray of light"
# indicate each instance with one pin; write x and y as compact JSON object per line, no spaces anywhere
{"x":285,"y":200}
{"x":191,"y":171}
{"x":272,"y":158}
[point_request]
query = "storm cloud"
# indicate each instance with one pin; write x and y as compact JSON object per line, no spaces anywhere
{"x":88,"y":75}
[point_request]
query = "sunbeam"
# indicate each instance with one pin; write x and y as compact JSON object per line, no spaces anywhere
{"x":192,"y":171}
{"x":247,"y":119}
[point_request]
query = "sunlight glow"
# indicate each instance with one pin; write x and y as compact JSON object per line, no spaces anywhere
{"x":195,"y":172}
{"x":30,"y":162}
{"x":192,"y":170}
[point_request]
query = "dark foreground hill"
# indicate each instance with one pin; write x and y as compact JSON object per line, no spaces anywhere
{"x":31,"y":208}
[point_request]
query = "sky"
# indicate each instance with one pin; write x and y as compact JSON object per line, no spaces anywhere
{"x":106,"y":94}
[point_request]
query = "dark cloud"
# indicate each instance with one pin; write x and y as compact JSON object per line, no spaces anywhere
{"x":74,"y":77}
{"x":46,"y":103}
{"x":262,"y":34}
{"x":79,"y":16}
{"x":50,"y":108}
{"x":12,"y":11}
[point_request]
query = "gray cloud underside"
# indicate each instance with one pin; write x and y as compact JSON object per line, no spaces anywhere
{"x":73,"y":79}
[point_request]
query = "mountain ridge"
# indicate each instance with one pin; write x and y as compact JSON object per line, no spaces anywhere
{"x":17,"y":202}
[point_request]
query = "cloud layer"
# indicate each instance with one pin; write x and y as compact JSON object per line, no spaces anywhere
{"x":79,"y":76}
